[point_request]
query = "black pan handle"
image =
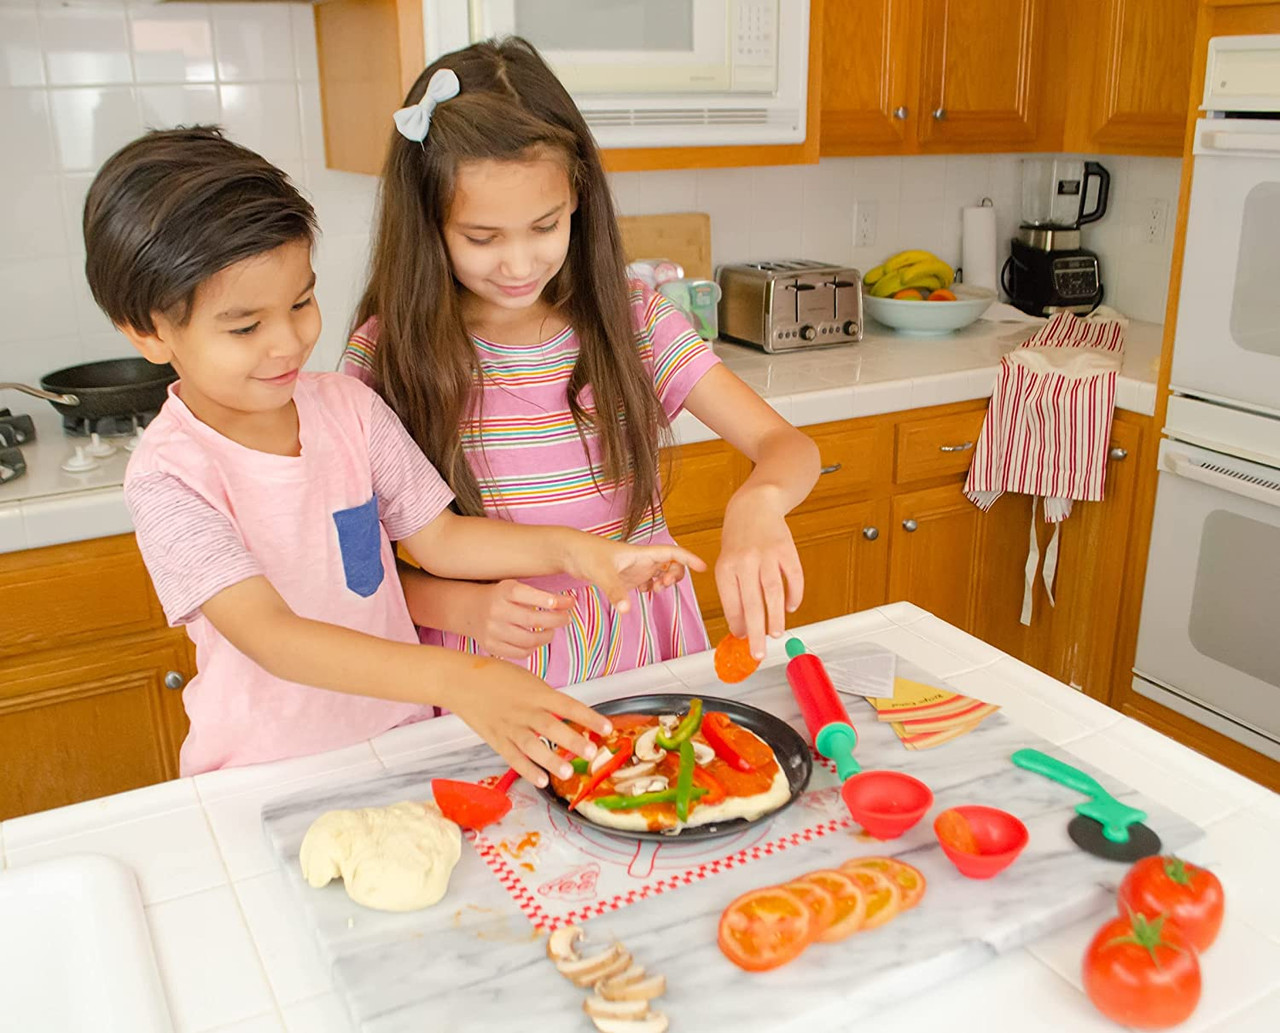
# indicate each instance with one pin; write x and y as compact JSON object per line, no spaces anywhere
{"x":48,"y":396}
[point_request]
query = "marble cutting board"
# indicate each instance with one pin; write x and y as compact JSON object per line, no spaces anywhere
{"x":475,"y":962}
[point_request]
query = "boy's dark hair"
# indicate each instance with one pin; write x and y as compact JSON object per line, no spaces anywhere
{"x":171,"y":209}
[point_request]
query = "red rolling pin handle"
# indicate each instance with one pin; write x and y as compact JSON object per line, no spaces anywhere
{"x":811,"y":685}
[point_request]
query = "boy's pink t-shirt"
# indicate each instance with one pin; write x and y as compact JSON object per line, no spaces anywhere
{"x":210,"y":513}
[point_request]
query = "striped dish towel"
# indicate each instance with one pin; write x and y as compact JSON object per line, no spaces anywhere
{"x":1048,"y":427}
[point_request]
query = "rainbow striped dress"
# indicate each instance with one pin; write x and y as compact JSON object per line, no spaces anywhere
{"x":533,"y":469}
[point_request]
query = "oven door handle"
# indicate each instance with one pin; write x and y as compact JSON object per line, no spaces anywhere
{"x":1229,"y":140}
{"x":1182,"y":465}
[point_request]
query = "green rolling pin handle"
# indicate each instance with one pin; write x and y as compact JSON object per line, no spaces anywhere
{"x":1055,"y":770}
{"x":836,"y":742}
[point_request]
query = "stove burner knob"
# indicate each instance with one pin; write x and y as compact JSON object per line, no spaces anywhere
{"x":808,"y":333}
{"x":98,"y":448}
{"x":850,"y":328}
{"x":80,"y":462}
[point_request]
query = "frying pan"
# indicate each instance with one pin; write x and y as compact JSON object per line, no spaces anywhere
{"x":113,"y":387}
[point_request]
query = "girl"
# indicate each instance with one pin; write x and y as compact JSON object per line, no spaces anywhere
{"x":499,"y":325}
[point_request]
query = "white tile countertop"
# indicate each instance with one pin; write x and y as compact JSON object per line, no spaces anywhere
{"x":885,"y":372}
{"x":235,"y":958}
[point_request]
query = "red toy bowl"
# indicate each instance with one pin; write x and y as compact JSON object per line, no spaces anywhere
{"x":1000,"y":838}
{"x":886,"y":803}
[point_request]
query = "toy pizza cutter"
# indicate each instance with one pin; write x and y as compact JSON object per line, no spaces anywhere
{"x":1103,"y":826}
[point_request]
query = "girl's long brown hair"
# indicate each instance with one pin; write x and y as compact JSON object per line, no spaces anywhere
{"x":511,"y":107}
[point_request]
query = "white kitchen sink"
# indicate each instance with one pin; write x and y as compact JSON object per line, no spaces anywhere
{"x":75,"y":952}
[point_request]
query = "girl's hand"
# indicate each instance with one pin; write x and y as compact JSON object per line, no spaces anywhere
{"x":513,"y":620}
{"x":758,"y":573}
{"x":617,"y":568}
{"x":511,"y":709}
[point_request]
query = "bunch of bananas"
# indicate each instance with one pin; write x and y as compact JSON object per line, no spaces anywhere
{"x":922,"y":270}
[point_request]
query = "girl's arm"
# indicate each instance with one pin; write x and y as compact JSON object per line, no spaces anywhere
{"x":758,"y":573}
{"x":506,"y":705}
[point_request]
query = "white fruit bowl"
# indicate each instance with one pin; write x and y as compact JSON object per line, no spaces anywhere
{"x":930,"y":317}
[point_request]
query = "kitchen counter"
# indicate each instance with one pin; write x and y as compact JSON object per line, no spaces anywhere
{"x":885,"y":372}
{"x":235,"y":957}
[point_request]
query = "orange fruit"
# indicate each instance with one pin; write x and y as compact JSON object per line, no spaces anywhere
{"x":942,"y":294}
{"x":734,"y":662}
{"x":908,"y":294}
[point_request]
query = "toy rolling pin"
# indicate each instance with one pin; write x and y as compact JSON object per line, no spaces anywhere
{"x":824,"y":715}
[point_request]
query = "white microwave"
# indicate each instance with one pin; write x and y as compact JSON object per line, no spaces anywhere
{"x":656,"y":73}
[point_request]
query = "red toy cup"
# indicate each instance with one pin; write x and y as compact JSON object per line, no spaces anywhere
{"x":886,"y":803}
{"x":1000,"y":838}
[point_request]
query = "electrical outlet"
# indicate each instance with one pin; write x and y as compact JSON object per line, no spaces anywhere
{"x":1156,"y":221}
{"x":864,"y":223}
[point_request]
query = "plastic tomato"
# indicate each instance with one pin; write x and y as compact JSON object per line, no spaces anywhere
{"x":820,"y":902}
{"x":734,"y":662}
{"x":953,"y":827}
{"x":1142,"y":973}
{"x":884,"y":899}
{"x":849,"y":900}
{"x":1190,"y":896}
{"x":911,"y":883}
{"x":764,"y":929}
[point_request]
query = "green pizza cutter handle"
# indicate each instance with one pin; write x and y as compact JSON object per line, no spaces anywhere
{"x":1114,"y":817}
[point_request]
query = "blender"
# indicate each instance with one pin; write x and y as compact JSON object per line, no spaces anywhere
{"x":1047,"y":270}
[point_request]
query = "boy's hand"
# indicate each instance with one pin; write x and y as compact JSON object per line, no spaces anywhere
{"x":513,"y":620}
{"x":758,"y":573}
{"x":617,"y":568}
{"x":510,"y":709}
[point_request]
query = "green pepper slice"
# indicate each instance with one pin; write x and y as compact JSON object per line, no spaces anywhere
{"x":617,"y":802}
{"x":580,"y":766}
{"x":685,"y":730}
{"x":684,"y":780}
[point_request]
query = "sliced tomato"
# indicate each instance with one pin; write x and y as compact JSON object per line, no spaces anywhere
{"x":715,"y":790}
{"x":820,"y":902}
{"x":469,"y":805}
{"x":953,"y":828}
{"x":884,"y":900}
{"x":734,"y":662}
{"x":850,"y":901}
{"x":765,"y":928}
{"x":911,"y":882}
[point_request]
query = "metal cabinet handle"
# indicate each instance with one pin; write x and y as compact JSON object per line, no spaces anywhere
{"x":956,"y":448}
{"x":833,"y":468}
{"x":901,"y":112}
{"x":174,"y":680}
{"x":1119,"y":454}
{"x":871,"y":533}
{"x":909,"y":525}
{"x":939,"y":114}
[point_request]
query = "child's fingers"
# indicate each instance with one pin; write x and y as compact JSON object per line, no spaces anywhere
{"x":579,"y":713}
{"x":794,"y":573}
{"x":525,"y":767}
{"x":536,"y":598}
{"x":774,"y":599}
{"x":684,"y":556}
{"x":730,"y":601}
{"x":753,"y":613}
{"x":540,"y":754}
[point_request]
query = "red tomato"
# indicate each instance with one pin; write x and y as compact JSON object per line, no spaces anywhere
{"x":734,"y":662}
{"x":821,"y":905}
{"x":850,"y":903}
{"x":1142,"y":973}
{"x":911,"y":883}
{"x":764,"y":929}
{"x":884,"y":898}
{"x":1190,"y":896}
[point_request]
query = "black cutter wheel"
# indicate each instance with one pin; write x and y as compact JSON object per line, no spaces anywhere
{"x":1086,"y":833}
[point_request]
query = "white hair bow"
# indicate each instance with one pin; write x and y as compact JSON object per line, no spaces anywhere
{"x":414,"y":121}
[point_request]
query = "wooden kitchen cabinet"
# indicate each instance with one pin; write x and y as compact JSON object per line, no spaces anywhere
{"x":86,"y":669}
{"x":844,"y":554}
{"x":868,"y":76}
{"x":934,"y":552}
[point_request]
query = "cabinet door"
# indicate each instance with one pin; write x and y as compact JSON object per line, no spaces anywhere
{"x":843,"y":551}
{"x":979,"y":72}
{"x":935,"y":551}
{"x":1142,"y":82}
{"x":869,"y":57}
{"x":88,"y":722}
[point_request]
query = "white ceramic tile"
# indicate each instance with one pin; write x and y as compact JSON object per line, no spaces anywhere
{"x":33,"y":298}
{"x":20,"y":60}
{"x":32,"y":222}
{"x":626,"y":192}
{"x":269,"y":1022}
{"x":13,"y":538}
{"x":303,"y":23}
{"x":968,"y":179}
{"x":164,"y":107}
{"x":324,"y":1014}
{"x":828,"y":176}
{"x":725,"y":194}
{"x":207,"y":961}
{"x":291,"y":957}
{"x":972,"y":650}
{"x":253,"y":42}
{"x":674,"y":190}
{"x":769,"y":243}
{"x":312,"y":128}
{"x":904,"y":613}
{"x":1241,"y":849}
{"x":777,"y":203}
{"x":172,"y":43}
{"x":344,"y":203}
{"x":878,"y":179}
{"x":90,"y":124}
{"x":1262,"y":1016}
{"x":827,"y":238}
{"x":25,"y":116}
{"x":1240,"y":967}
{"x":74,"y":186}
{"x":85,"y":46}
{"x":109,"y":345}
{"x":729,"y":243}
{"x":27,"y":365}
{"x":1021,"y":706}
{"x":920,"y":225}
{"x":160,"y":833}
{"x":213,"y":786}
{"x":873,"y":399}
{"x":924,"y":179}
{"x":265,"y":118}
{"x":1090,"y":712}
{"x":75,"y":518}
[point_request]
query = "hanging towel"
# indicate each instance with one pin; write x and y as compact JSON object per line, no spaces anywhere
{"x":1048,"y":427}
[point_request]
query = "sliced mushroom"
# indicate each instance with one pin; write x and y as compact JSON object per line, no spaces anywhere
{"x":702,"y":753}
{"x":647,"y":747}
{"x":586,"y":971}
{"x":653,"y":1022}
{"x":600,"y":760}
{"x":599,"y":1008}
{"x":639,"y":786}
{"x":669,"y":722}
{"x":645,"y":767}
{"x":637,"y":990}
{"x":633,"y":974}
{"x":562,"y":945}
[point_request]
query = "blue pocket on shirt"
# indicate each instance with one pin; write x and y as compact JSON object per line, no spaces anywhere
{"x":360,"y":541}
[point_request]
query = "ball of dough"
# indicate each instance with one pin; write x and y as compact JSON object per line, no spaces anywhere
{"x":395,"y":858}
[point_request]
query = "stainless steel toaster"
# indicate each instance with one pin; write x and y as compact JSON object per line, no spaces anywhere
{"x":787,"y":305}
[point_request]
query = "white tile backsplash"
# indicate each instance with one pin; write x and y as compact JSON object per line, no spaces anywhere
{"x":79,"y":78}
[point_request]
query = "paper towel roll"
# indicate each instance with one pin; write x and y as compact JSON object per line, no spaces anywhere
{"x":978,"y":246}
